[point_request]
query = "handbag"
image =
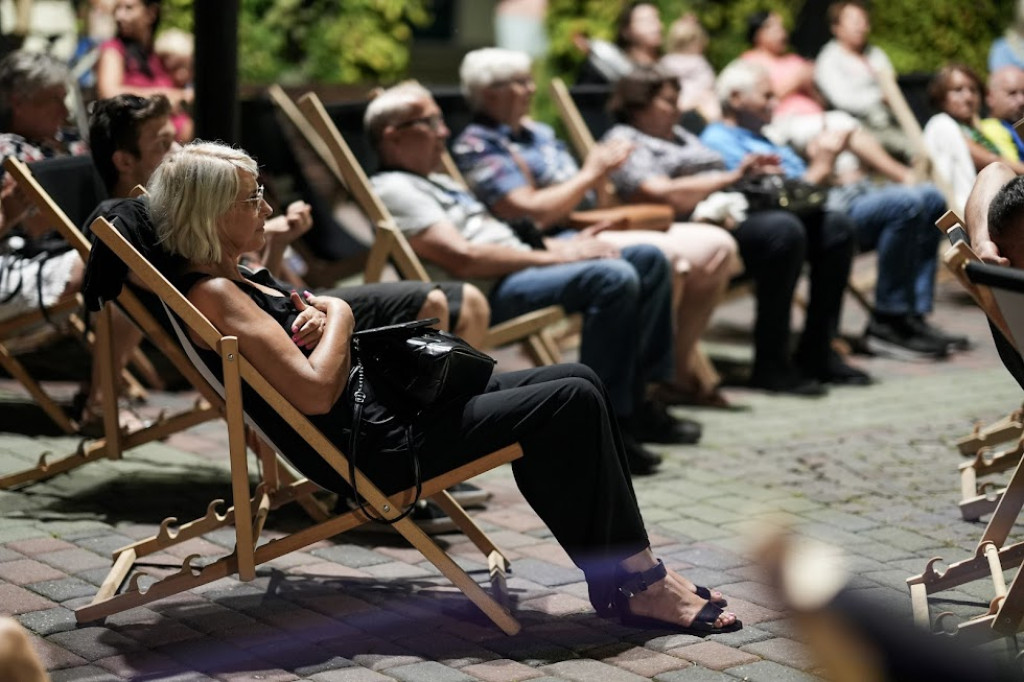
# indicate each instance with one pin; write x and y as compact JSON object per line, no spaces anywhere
{"x":401,"y":371}
{"x":656,"y":217}
{"x":775,"y":192}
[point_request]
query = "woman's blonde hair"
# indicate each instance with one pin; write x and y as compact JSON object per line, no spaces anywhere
{"x":190,"y":191}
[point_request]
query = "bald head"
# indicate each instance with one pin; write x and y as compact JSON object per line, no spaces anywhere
{"x":1005,"y":97}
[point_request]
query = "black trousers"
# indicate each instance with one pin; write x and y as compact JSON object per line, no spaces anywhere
{"x":573,"y":471}
{"x":774,"y":245}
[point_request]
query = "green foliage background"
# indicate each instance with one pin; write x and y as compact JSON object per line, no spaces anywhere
{"x":326,"y":41}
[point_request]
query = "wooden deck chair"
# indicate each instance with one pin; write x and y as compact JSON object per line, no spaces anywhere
{"x":1010,"y":427}
{"x":980,"y":499}
{"x":1000,"y":292}
{"x":251,"y":508}
{"x":390,"y":245}
{"x":64,"y":311}
{"x":116,"y":440}
{"x":75,"y":187}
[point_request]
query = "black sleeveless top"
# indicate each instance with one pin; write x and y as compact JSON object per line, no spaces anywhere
{"x":335,"y":424}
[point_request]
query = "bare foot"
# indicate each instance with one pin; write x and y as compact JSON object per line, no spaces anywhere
{"x":674,"y":601}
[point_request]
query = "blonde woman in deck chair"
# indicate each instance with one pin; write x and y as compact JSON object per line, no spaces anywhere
{"x":208,"y":208}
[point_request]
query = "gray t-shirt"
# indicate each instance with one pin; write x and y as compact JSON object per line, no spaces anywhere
{"x":417,"y":202}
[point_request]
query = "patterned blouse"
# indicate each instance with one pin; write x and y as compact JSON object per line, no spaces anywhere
{"x":654,"y":156}
{"x":67,"y":143}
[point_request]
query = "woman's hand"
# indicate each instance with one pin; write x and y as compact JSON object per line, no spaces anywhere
{"x":308,"y":328}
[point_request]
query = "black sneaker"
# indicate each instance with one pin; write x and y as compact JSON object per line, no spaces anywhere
{"x":642,"y":462}
{"x":952,"y":341}
{"x":898,"y":338}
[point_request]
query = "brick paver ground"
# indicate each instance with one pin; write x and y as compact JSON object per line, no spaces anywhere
{"x":870,"y":469}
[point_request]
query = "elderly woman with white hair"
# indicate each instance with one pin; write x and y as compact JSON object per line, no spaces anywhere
{"x":519,"y":169}
{"x":208,"y":209}
{"x":38,"y":268}
{"x":33,"y":115}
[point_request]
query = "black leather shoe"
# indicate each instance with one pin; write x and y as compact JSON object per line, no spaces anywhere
{"x":791,"y":382}
{"x":836,"y":371}
{"x":839,"y":373}
{"x":652,"y":423}
{"x":642,"y":462}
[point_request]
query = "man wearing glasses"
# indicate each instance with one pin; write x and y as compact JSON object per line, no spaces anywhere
{"x":625,"y":296}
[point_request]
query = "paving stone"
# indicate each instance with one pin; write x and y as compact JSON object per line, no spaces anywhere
{"x":588,"y":671}
{"x":770,"y":671}
{"x":93,"y":643}
{"x":713,"y":655}
{"x":351,"y":555}
{"x":314,"y":668}
{"x":708,"y":557}
{"x":785,"y":651}
{"x":74,"y":560}
{"x":25,"y":571}
{"x":141,"y":665}
{"x":64,"y":589}
{"x":53,"y":656}
{"x":545,"y":573}
{"x":351,"y":674}
{"x":642,"y":661}
{"x":694,"y":673}
{"x":428,"y":671}
{"x":16,"y":600}
{"x":8,"y":554}
{"x":501,"y":670}
{"x":48,"y":621}
{"x":85,"y":673}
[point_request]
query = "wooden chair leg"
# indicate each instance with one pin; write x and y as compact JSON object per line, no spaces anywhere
{"x":51,"y":408}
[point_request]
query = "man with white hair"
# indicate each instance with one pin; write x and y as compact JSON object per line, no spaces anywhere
{"x":519,"y":169}
{"x":1005,"y":100}
{"x":627,"y":328}
{"x":897,"y":220}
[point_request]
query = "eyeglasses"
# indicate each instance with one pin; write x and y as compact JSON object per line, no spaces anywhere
{"x":256,"y":199}
{"x":433,"y":122}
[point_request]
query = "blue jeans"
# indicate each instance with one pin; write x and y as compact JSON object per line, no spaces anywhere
{"x":899,"y":221}
{"x":627,"y":316}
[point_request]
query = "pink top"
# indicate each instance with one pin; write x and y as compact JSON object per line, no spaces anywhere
{"x":133,"y":75}
{"x":780,"y":70}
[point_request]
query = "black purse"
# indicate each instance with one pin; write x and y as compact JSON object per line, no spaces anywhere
{"x":402,"y":371}
{"x":775,"y":192}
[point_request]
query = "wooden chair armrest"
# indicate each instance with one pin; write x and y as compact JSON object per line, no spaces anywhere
{"x":520,"y":327}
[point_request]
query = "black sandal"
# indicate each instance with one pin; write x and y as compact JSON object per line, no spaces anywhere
{"x":705,"y":593}
{"x":632,"y":584}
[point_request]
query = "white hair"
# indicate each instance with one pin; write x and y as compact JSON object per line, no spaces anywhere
{"x":190,"y":190}
{"x":487,"y":66}
{"x":390,"y":106}
{"x":739,"y":77}
{"x":23,"y":74}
